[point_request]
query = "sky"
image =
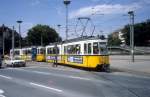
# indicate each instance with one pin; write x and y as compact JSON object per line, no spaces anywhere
{"x":106,"y":15}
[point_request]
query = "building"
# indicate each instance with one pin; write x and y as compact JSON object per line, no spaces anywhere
{"x":120,"y":36}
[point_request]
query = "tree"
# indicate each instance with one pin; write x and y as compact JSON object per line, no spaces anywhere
{"x":141,"y":34}
{"x":8,"y":38}
{"x":113,"y":39}
{"x":42,"y":33}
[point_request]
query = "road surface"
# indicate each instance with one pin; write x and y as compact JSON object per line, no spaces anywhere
{"x":56,"y":82}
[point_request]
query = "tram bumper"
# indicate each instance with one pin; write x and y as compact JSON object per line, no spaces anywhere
{"x":103,"y":67}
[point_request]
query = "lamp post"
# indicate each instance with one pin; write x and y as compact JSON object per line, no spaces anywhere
{"x":3,"y":28}
{"x":67,"y":2}
{"x":131,"y":15}
{"x":19,"y":22}
{"x":13,"y":45}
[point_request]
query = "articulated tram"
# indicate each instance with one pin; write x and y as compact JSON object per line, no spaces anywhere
{"x":30,"y":53}
{"x":89,"y":52}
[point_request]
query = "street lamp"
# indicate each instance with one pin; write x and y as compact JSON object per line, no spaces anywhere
{"x":3,"y":28}
{"x":67,"y":2}
{"x":59,"y":28}
{"x":131,"y":14}
{"x":19,"y":22}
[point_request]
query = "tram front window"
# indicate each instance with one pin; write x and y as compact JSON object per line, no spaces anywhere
{"x":17,"y":53}
{"x":85,"y":48}
{"x":95,"y":48}
{"x":103,"y":48}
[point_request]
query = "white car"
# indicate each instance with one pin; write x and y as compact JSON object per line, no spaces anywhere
{"x":8,"y":62}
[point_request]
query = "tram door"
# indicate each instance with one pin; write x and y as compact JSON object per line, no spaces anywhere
{"x":34,"y":53}
{"x":87,"y":53}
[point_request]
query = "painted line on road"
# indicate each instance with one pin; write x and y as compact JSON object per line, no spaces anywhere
{"x":7,"y":77}
{"x":60,"y":75}
{"x":47,"y":73}
{"x":50,"y":67}
{"x":75,"y":77}
{"x":1,"y":91}
{"x":43,"y":86}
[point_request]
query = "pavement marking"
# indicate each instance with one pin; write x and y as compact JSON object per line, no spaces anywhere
{"x":79,"y":78}
{"x":43,"y":86}
{"x":59,"y":75}
{"x":7,"y":77}
{"x":1,"y":91}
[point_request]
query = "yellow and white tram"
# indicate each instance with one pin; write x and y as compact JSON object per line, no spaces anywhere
{"x":40,"y":55}
{"x":17,"y":53}
{"x":52,"y":51}
{"x":26,"y":54}
{"x":88,"y":52}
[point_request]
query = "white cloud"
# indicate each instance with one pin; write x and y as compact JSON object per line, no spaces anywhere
{"x":147,"y":1}
{"x":35,"y":2}
{"x":104,"y":9}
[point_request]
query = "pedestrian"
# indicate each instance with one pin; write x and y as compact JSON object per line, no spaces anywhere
{"x":55,"y":62}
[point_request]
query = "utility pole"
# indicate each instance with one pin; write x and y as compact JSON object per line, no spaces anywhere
{"x":131,"y":15}
{"x":67,"y":2}
{"x":13,"y":44}
{"x":19,"y":22}
{"x":3,"y":28}
{"x":41,"y":39}
{"x":59,"y":27}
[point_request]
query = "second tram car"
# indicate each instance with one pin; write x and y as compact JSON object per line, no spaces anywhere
{"x":26,"y":54}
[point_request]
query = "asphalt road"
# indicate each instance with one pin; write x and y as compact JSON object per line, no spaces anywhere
{"x":49,"y":82}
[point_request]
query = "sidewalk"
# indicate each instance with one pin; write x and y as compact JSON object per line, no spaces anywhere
{"x":141,"y":64}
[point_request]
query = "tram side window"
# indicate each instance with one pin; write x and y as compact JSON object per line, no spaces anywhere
{"x":16,"y":53}
{"x":49,"y":51}
{"x":28,"y":51}
{"x":85,"y":48}
{"x":65,"y":50}
{"x":55,"y":50}
{"x":24,"y":52}
{"x":73,"y":49}
{"x":78,"y":47}
{"x":89,"y":48}
{"x":42,"y":51}
{"x":95,"y":48}
{"x":69,"y":49}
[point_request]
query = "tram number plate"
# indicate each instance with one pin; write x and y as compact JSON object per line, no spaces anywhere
{"x":75,"y":59}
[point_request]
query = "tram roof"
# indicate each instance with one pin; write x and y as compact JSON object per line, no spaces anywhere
{"x":84,"y":39}
{"x":79,"y":39}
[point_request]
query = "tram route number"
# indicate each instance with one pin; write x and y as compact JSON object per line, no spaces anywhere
{"x":75,"y":59}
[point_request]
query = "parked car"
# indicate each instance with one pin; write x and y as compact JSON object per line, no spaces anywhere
{"x":9,"y":62}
